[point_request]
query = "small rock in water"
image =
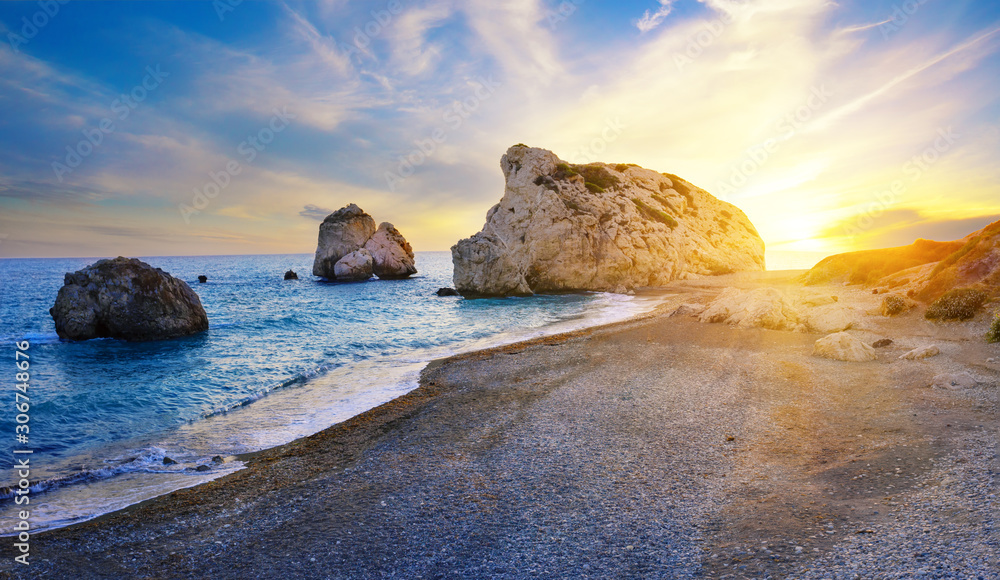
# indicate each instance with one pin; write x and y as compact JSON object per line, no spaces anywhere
{"x":218,"y":459}
{"x":168,"y":461}
{"x":447,"y":292}
{"x":954,"y":382}
{"x":202,"y":468}
{"x":921,"y":352}
{"x":882,"y":343}
{"x":202,"y":279}
{"x":291,"y":275}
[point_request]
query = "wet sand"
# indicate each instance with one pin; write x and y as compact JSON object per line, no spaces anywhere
{"x":657,"y":448}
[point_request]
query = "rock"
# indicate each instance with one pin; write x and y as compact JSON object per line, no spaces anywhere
{"x":218,"y":459}
{"x":354,"y":267}
{"x":845,"y":347}
{"x":128,"y":299}
{"x":168,"y":461}
{"x":291,"y":275}
{"x":688,"y":309}
{"x":954,"y":382}
{"x":777,"y":310}
{"x":819,"y":300}
{"x":922,"y":352}
{"x":447,"y":292}
{"x":341,"y":233}
{"x":561,"y":227}
{"x":392,"y":254}
{"x":882,"y":343}
{"x":203,"y":468}
{"x":758,"y":308}
{"x":202,"y":279}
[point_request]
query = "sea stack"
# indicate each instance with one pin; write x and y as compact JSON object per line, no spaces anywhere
{"x":562,"y":227}
{"x":350,"y":231}
{"x":128,"y":299}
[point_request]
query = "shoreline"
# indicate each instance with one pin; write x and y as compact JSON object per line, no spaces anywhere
{"x":489,"y":429}
{"x":653,"y":294}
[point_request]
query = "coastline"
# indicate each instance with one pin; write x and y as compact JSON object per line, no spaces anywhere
{"x":469,"y":424}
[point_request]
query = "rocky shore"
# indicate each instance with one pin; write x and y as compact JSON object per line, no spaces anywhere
{"x":664,"y":447}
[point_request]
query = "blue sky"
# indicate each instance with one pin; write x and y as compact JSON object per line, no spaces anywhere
{"x":833,"y":125}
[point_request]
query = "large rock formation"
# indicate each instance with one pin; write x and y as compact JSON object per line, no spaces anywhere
{"x":129,"y":299}
{"x":354,"y":267}
{"x":342,"y":232}
{"x":924,"y":270}
{"x":562,"y":227}
{"x":391,"y":253}
{"x":349,"y":230}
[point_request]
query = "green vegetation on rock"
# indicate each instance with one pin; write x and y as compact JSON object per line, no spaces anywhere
{"x":655,"y":214}
{"x":993,"y":334}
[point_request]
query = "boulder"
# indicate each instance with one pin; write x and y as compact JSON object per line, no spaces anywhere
{"x":291,"y":275}
{"x":342,"y":232}
{"x":921,"y":352}
{"x":882,"y":343}
{"x":447,"y":292}
{"x":845,"y":347}
{"x":354,"y":267}
{"x":202,"y":279}
{"x":561,"y":228}
{"x":392,"y":254}
{"x":771,"y":308}
{"x":688,"y":309}
{"x":128,"y":299}
{"x":954,"y":382}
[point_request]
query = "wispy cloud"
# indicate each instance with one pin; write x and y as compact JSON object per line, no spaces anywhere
{"x":651,"y":20}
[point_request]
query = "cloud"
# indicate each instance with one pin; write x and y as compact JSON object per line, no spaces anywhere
{"x":315,"y":212}
{"x":651,"y":20}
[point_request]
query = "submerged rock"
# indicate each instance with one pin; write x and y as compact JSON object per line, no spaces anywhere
{"x":562,"y":227}
{"x":128,"y":299}
{"x":391,"y":254}
{"x":291,"y":275}
{"x":354,"y":267}
{"x":342,"y":232}
{"x":845,"y":347}
{"x":202,"y":279}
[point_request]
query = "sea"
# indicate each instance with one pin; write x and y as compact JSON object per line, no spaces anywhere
{"x":281,"y":360}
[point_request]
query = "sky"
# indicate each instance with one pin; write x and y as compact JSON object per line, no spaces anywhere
{"x":234,"y":127}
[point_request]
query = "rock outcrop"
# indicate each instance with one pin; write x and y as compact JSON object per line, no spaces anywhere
{"x":291,"y":275}
{"x":342,"y":232}
{"x":921,"y":353}
{"x":562,"y":227}
{"x":776,"y":310}
{"x":392,"y":254}
{"x":128,"y":299}
{"x":354,"y":267}
{"x":845,"y":347}
{"x":349,"y":230}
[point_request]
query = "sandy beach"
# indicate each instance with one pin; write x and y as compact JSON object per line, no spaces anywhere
{"x":662,"y":447}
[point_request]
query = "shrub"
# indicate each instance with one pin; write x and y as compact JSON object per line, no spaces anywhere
{"x":993,"y":334}
{"x":655,"y":214}
{"x":893,"y":305}
{"x":621,"y":167}
{"x":598,"y":175}
{"x":520,"y":145}
{"x":961,"y":304}
{"x":593,"y":187}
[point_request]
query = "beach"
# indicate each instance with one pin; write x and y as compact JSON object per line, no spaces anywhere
{"x":660,"y":447}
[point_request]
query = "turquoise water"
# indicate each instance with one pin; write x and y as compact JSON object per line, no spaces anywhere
{"x":281,"y":359}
